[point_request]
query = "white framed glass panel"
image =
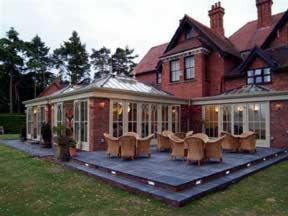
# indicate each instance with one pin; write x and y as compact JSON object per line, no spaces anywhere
{"x":226,"y":118}
{"x":132,"y":117}
{"x":84,"y":121}
{"x":154,"y":119}
{"x":145,"y":120}
{"x":117,"y":119}
{"x":59,"y":114}
{"x":176,"y":119}
{"x":41,"y":118}
{"x":238,"y":113}
{"x":165,"y":119}
{"x":257,"y":119}
{"x":174,"y":71}
{"x":189,"y":68}
{"x":211,"y":120}
{"x":29,"y":121}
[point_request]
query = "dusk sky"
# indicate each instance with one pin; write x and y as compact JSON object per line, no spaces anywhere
{"x":140,"y":24}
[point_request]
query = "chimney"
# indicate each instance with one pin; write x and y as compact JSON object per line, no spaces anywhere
{"x":216,"y":15}
{"x":264,"y":10}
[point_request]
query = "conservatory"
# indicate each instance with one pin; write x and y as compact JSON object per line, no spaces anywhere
{"x":113,"y":104}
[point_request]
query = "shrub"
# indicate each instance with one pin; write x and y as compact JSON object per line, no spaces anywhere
{"x":12,"y":123}
{"x":23,"y":136}
{"x":46,"y":134}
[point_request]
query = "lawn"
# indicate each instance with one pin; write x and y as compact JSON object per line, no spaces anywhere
{"x":30,"y":186}
{"x":9,"y":136}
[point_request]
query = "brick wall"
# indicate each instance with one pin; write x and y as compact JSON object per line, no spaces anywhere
{"x":149,"y":77}
{"x":278,"y":123}
{"x":99,"y":123}
{"x":281,"y":37}
{"x":186,"y":88}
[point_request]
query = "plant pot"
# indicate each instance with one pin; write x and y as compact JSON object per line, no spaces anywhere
{"x":72,"y":151}
{"x":62,"y":150}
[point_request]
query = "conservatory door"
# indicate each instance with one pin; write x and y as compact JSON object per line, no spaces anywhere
{"x":81,"y":124}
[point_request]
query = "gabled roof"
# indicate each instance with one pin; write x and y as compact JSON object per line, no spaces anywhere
{"x":279,"y":24}
{"x":220,"y":42}
{"x":150,"y":61}
{"x":55,"y":84}
{"x":249,"y":36}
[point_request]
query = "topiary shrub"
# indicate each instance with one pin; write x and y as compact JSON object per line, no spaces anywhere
{"x":46,"y":134}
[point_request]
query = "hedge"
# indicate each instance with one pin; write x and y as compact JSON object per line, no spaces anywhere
{"x":12,"y":123}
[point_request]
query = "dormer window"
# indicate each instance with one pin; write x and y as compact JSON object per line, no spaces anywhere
{"x":259,"y":76}
{"x":189,"y":34}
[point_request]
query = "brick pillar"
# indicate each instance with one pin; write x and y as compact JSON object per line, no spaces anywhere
{"x":99,"y":123}
{"x":48,"y":113}
{"x":200,"y":73}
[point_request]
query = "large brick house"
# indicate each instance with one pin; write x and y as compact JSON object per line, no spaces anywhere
{"x":200,"y":80}
{"x":235,"y":84}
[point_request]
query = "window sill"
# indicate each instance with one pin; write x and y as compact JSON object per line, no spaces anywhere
{"x":182,"y":81}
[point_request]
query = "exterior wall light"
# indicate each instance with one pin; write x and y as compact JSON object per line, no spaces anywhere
{"x":256,"y":107}
{"x":35,"y":111}
{"x":102,"y":105}
{"x":216,"y":109}
{"x":279,"y":106}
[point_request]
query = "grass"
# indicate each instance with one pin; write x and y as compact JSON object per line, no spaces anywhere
{"x":9,"y":136}
{"x":30,"y":186}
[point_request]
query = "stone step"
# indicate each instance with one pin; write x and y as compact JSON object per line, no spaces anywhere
{"x":175,"y":198}
{"x":189,"y":184}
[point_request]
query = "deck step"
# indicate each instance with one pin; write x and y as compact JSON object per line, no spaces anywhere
{"x":186,"y":185}
{"x":175,"y":198}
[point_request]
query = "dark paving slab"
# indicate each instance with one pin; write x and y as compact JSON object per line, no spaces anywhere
{"x":160,"y":168}
{"x":32,"y":149}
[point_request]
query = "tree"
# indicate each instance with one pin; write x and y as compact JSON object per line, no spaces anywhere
{"x":122,"y":61}
{"x":38,"y":63}
{"x":100,"y":60}
{"x":72,"y":59}
{"x":11,"y":59}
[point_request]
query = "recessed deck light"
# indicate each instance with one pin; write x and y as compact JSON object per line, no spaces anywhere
{"x":248,"y":165}
{"x":286,"y":151}
{"x":276,"y":155}
{"x":151,"y":183}
{"x":227,"y":172}
{"x":264,"y":159}
{"x":113,"y":172}
{"x":198,"y":182}
{"x":86,"y":164}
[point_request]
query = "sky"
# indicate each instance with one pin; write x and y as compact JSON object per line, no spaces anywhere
{"x":140,"y":24}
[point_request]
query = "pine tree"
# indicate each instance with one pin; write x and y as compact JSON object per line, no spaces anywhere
{"x":38,"y":63}
{"x":72,"y":59}
{"x":100,"y":60}
{"x":122,"y":61}
{"x":11,"y":59}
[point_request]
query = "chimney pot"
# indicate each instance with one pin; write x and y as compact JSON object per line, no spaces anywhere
{"x":264,"y":10}
{"x":216,"y":15}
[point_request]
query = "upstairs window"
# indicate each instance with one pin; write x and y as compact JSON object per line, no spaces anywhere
{"x":189,"y":34}
{"x":159,"y":78}
{"x":174,"y":71}
{"x":189,"y":68}
{"x":259,"y":76}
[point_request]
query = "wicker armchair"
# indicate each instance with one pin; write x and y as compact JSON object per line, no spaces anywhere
{"x":177,"y":147}
{"x":230,"y":142}
{"x":213,"y":149}
{"x":195,"y":149}
{"x":247,"y":141}
{"x":131,"y":134}
{"x":163,"y":142}
{"x":113,"y":147}
{"x":167,"y":133}
{"x":181,"y":135}
{"x":189,"y":133}
{"x":128,"y":146}
{"x":143,"y":146}
{"x":202,"y":136}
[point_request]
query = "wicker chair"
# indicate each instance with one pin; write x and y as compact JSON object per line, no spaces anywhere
{"x":167,"y":133}
{"x":230,"y":142}
{"x":128,"y":146}
{"x":178,"y":149}
{"x":213,"y":149}
{"x":181,"y":135}
{"x":143,"y":146}
{"x":247,"y":141}
{"x":113,"y":147}
{"x":195,"y":149}
{"x":189,"y":133}
{"x":202,"y":136}
{"x":163,"y":143}
{"x":131,"y":134}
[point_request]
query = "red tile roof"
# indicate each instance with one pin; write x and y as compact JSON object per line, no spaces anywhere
{"x":149,"y":62}
{"x":249,"y":36}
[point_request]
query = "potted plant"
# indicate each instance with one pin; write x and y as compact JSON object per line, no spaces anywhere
{"x":62,"y":141}
{"x":23,"y":136}
{"x":72,"y":147}
{"x":46,"y":134}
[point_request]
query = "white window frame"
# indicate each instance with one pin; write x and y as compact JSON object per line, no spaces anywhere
{"x":29,"y":112}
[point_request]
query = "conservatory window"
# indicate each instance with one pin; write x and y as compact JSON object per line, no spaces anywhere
{"x":164,"y":117}
{"x":175,"y":119}
{"x":132,"y":117}
{"x":117,"y":119}
{"x":257,"y":119}
{"x":211,"y":120}
{"x":154,"y":119}
{"x":145,"y":120}
{"x":238,"y":119}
